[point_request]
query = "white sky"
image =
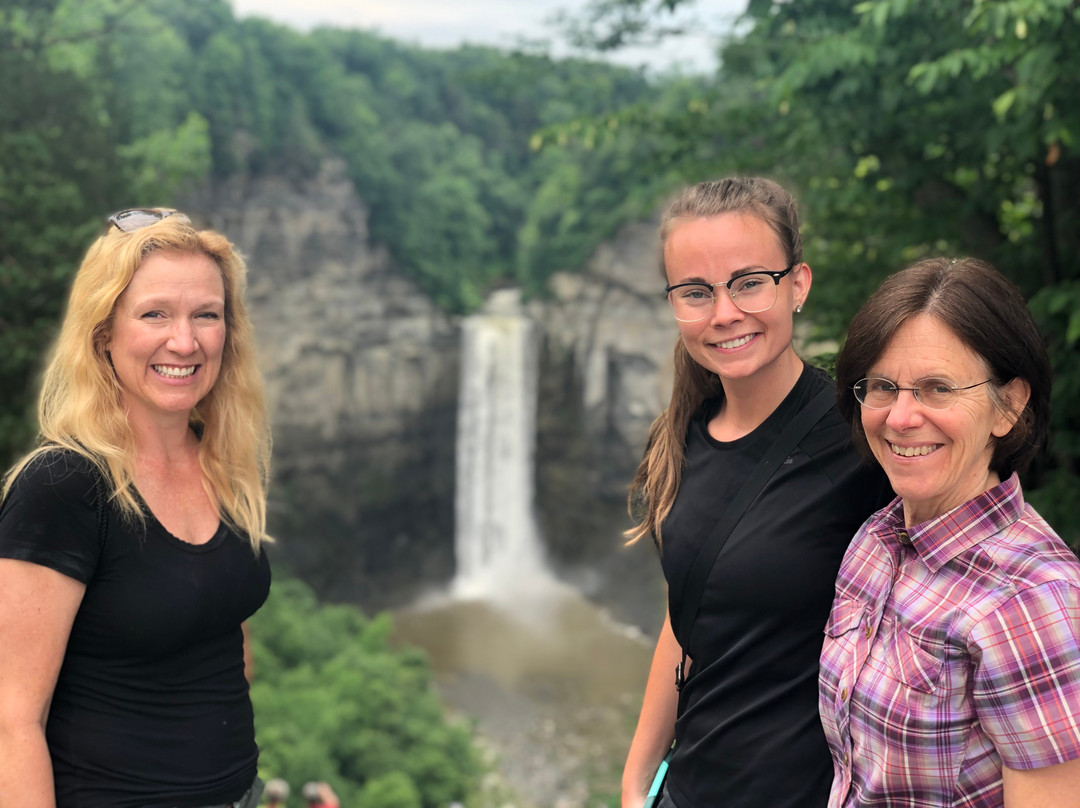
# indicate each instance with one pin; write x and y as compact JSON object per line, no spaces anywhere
{"x":499,"y":23}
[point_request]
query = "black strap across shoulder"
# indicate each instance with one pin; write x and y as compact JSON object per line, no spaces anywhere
{"x":782,"y":447}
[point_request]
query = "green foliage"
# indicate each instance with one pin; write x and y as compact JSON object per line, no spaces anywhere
{"x":66,"y":161}
{"x":118,"y":103}
{"x":952,"y":128}
{"x":167,"y":158}
{"x":335,"y":701}
{"x":436,"y":143}
{"x":394,"y":790}
{"x":906,"y":130}
{"x":611,"y":24}
{"x":1057,"y":310}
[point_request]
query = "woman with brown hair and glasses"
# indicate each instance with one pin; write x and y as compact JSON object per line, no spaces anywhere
{"x":744,"y":621}
{"x":950,"y":672}
{"x":130,"y":539}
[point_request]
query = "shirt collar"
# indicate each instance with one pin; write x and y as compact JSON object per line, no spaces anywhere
{"x":944,"y":537}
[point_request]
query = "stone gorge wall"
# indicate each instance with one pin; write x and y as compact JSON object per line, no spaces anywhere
{"x":605,"y":374}
{"x":362,"y":375}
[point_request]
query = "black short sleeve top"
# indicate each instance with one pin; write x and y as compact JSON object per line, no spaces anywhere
{"x":151,"y":705}
{"x":747,"y":732}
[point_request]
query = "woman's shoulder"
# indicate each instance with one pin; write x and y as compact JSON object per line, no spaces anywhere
{"x":818,"y":378}
{"x":831,"y":433}
{"x":863,"y":483}
{"x":51,"y":514}
{"x":57,"y":473}
{"x":1028,"y":553}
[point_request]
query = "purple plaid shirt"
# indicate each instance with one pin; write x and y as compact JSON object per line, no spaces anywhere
{"x":952,"y":648}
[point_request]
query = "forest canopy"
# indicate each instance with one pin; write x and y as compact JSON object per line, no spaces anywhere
{"x":335,"y":701}
{"x":118,"y":103}
{"x":905,"y":130}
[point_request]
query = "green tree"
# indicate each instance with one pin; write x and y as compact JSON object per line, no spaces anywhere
{"x":394,"y":790}
{"x":335,"y":701}
{"x":958,"y":124}
{"x":906,"y":129}
{"x":65,"y":163}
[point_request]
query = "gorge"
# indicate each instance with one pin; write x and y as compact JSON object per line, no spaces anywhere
{"x":363,"y":376}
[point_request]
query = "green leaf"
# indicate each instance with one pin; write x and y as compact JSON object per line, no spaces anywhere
{"x":1072,"y":332}
{"x":1003,"y":103}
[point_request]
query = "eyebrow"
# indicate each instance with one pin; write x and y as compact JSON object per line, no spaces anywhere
{"x":738,"y":273}
{"x":937,"y":377}
{"x":165,"y":302}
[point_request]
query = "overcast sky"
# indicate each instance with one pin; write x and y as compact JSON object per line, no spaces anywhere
{"x":500,"y":23}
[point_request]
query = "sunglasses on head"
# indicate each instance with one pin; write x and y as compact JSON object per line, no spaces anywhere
{"x":134,"y":219}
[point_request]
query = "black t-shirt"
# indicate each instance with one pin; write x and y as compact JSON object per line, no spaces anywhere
{"x":151,"y":706}
{"x":748,"y":733}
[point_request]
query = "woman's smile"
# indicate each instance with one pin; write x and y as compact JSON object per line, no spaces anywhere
{"x":737,"y":346}
{"x":914,"y":451}
{"x":738,"y":342}
{"x":176,"y":372}
{"x":936,"y":459}
{"x":168,"y":334}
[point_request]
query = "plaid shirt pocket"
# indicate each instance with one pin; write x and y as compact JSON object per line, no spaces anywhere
{"x":912,"y":664}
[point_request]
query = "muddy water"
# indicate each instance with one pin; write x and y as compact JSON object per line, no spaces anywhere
{"x":553,"y":684}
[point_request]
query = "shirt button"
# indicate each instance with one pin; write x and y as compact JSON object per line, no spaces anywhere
{"x":843,"y":694}
{"x":869,"y":631}
{"x":903,"y":536}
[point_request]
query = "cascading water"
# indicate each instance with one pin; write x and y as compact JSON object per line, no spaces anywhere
{"x":496,"y":539}
{"x":512,"y":647}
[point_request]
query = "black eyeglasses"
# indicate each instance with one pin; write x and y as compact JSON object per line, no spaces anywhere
{"x":134,"y":219}
{"x":937,"y":394}
{"x":752,"y":293}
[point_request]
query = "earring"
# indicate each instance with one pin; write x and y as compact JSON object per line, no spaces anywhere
{"x":798,"y":309}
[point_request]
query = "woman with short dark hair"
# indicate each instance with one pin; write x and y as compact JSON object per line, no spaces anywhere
{"x":950,"y":673}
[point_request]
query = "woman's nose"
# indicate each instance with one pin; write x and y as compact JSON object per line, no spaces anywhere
{"x":724,"y":310}
{"x":905,"y":411}
{"x":182,"y":339}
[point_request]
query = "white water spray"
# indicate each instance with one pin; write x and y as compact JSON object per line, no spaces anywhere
{"x":497,"y":542}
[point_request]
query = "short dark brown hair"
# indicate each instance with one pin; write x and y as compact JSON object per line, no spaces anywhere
{"x":987,"y":313}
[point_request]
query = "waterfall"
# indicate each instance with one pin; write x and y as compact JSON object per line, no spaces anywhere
{"x":497,"y":542}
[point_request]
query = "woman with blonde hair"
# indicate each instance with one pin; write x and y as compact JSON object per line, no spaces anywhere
{"x":734,"y":673}
{"x":131,"y":537}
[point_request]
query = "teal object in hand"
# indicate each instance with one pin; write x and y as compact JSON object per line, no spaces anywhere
{"x":657,"y":787}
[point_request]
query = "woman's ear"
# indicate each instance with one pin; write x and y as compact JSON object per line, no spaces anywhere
{"x":801,"y":278}
{"x":1015,"y":395}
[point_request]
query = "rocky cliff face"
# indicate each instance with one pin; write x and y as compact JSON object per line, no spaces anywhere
{"x":605,"y":375}
{"x":362,"y":374}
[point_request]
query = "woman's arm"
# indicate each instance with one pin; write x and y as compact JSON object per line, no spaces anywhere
{"x":37,"y":608}
{"x":1026,"y":692}
{"x":249,"y":654}
{"x":656,"y":724}
{"x":1049,"y":787}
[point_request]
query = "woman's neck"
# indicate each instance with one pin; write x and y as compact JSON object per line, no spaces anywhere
{"x":165,"y":441}
{"x":748,"y":402}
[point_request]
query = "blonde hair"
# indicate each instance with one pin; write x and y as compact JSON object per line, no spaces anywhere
{"x":656,"y":483}
{"x":80,"y":407}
